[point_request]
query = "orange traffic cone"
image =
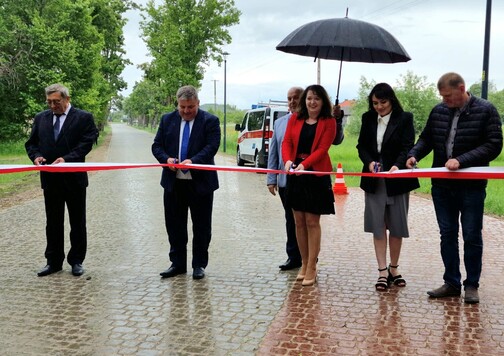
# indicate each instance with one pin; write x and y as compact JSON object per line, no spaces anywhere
{"x":339,"y":186}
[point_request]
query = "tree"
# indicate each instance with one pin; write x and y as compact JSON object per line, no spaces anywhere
{"x":182,"y":36}
{"x":49,"y":41}
{"x":494,"y":96}
{"x":414,"y":94}
{"x":143,"y":106}
{"x":108,"y":20}
{"x":497,"y":98}
{"x":475,"y":89}
{"x":360,"y":107}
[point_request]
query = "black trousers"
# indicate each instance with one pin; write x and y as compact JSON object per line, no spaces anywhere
{"x":291,"y":247}
{"x":177,"y":203}
{"x":75,"y":200}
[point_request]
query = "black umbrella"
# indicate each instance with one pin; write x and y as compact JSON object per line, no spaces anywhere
{"x":344,"y":39}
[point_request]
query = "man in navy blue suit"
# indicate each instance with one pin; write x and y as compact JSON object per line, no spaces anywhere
{"x":188,"y":135}
{"x":63,"y":134}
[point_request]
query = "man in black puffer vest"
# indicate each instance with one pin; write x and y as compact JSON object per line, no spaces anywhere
{"x":463,"y":131}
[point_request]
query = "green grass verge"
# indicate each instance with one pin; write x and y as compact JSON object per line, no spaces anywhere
{"x":15,"y":153}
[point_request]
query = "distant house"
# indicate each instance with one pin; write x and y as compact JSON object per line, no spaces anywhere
{"x":347,"y":106}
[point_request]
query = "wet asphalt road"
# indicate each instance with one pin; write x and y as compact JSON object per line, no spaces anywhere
{"x":244,"y":306}
{"x":120,"y":305}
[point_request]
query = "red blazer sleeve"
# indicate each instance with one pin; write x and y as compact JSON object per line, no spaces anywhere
{"x":291,"y":139}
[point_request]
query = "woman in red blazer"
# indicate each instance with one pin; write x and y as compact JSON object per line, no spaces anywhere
{"x":308,"y":137}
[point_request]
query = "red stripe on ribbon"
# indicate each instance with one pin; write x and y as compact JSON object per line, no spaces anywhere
{"x":467,"y":173}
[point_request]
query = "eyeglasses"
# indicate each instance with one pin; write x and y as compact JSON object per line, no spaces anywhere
{"x":53,"y":102}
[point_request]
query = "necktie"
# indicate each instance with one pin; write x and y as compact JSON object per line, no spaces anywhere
{"x":185,"y":144}
{"x":56,"y":127}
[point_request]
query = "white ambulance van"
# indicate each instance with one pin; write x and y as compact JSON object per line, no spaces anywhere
{"x":254,"y":134}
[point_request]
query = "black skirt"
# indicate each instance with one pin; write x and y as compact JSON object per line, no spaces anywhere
{"x":311,"y":194}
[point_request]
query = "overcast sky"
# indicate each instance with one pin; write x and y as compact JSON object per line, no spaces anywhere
{"x":439,"y":36}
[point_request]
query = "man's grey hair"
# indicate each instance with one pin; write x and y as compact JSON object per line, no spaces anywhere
{"x":57,"y":88}
{"x":450,"y":80}
{"x":187,"y":92}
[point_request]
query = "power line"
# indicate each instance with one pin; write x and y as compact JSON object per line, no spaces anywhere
{"x":396,"y":7}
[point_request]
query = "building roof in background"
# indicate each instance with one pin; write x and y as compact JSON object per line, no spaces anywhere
{"x":347,"y":103}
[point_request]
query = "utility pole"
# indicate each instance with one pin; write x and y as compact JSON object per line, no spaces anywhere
{"x":486,"y":51}
{"x":215,"y":95}
{"x":225,"y":54}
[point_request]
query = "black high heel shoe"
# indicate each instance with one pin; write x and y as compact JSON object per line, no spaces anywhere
{"x":383,"y":282}
{"x":397,"y":280}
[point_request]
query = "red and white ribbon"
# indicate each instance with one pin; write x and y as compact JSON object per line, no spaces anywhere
{"x":466,"y":173}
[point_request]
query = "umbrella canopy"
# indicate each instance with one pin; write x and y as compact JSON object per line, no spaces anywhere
{"x":344,"y":39}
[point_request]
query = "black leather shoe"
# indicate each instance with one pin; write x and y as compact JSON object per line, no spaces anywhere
{"x":198,"y":273}
{"x":290,"y":264}
{"x":446,"y":290}
{"x":172,"y":272}
{"x":47,"y":270}
{"x":77,"y":270}
{"x":471,"y":295}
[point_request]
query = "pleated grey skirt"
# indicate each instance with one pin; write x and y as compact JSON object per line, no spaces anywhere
{"x":383,"y":212}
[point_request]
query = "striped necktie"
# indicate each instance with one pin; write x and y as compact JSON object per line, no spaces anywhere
{"x":56,"y":127}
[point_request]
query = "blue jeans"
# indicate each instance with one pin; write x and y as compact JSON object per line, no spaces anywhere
{"x":468,"y":205}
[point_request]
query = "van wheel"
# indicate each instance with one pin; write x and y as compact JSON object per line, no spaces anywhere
{"x":239,"y":161}
{"x":256,"y":161}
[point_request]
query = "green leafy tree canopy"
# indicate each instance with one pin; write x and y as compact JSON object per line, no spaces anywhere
{"x":182,"y":36}
{"x":414,"y":94}
{"x":75,"y":42}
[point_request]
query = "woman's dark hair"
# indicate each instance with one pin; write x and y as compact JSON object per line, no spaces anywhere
{"x":383,"y":91}
{"x":318,"y":90}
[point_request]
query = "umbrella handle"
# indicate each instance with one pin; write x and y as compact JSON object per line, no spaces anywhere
{"x":339,"y":76}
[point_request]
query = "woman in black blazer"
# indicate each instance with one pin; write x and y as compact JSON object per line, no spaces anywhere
{"x":386,"y":136}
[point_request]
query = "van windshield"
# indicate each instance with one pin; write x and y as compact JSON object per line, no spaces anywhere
{"x":256,"y":119}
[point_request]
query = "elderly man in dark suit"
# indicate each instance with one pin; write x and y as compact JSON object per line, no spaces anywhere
{"x":63,"y":134}
{"x":188,"y":135}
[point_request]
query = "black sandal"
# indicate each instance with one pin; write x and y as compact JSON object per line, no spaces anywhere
{"x":397,"y":280}
{"x":383,"y":282}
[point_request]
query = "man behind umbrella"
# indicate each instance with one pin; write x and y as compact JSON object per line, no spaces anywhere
{"x":463,"y":131}
{"x":278,"y":182}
